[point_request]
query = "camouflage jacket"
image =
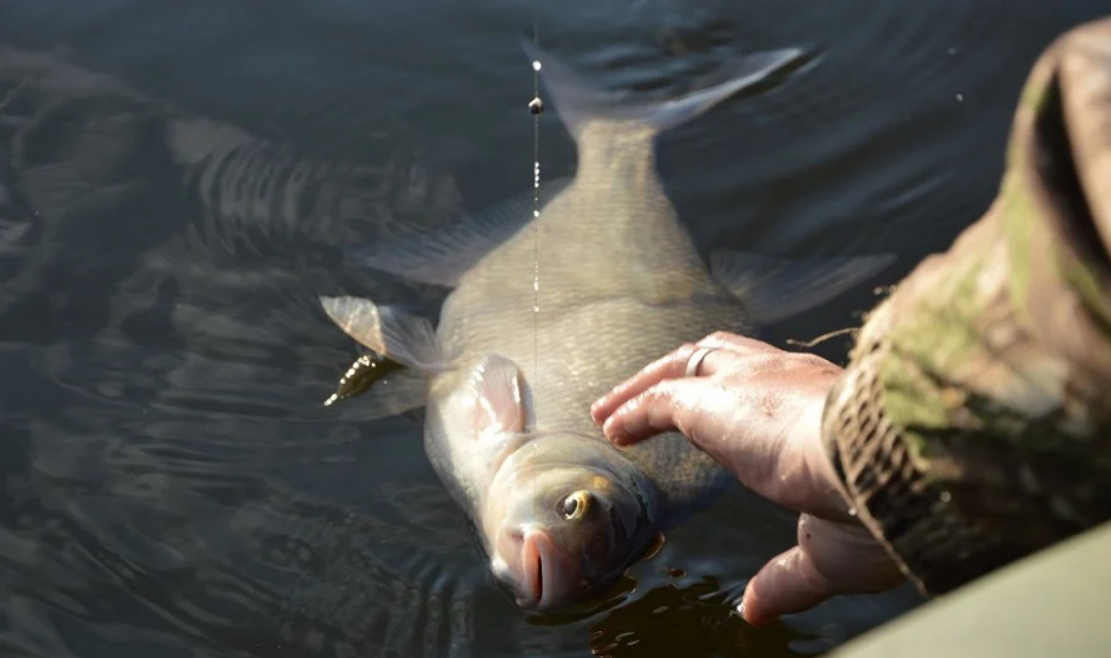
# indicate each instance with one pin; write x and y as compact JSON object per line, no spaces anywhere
{"x":973,"y":424}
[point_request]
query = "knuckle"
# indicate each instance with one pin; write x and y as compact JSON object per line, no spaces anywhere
{"x":793,"y":361}
{"x":771,"y":361}
{"x":816,"y":362}
{"x":718,"y":337}
{"x":685,"y":350}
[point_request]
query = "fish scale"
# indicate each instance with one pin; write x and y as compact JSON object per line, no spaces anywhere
{"x":631,"y":288}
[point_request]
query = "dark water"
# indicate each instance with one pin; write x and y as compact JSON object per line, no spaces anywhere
{"x":175,"y":182}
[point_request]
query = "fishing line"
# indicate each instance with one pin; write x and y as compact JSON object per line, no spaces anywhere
{"x":536,"y":106}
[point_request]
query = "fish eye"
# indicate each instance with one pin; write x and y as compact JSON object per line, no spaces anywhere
{"x":574,"y":507}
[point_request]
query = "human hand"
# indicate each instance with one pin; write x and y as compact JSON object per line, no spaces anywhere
{"x":757,"y":410}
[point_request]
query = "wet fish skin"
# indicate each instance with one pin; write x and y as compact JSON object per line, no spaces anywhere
{"x":542,"y":323}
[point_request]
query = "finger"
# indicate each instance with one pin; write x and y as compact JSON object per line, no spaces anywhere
{"x":683,"y":404}
{"x":670,"y":366}
{"x":674,"y":365}
{"x":830,"y":559}
{"x":786,"y":585}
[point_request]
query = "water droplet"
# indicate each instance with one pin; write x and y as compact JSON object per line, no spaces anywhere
{"x":960,"y":98}
{"x":536,"y":65}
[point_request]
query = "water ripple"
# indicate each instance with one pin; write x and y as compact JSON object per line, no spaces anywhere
{"x":175,"y":186}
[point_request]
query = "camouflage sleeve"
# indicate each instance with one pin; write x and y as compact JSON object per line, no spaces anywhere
{"x":973,"y":424}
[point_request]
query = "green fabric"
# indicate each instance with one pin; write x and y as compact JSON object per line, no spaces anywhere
{"x":973,"y":426}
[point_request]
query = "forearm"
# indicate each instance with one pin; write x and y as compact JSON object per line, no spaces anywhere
{"x":972,"y":425}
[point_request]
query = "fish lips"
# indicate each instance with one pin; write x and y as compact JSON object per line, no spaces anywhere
{"x":529,"y":560}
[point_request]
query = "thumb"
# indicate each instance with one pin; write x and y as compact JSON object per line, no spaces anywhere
{"x":830,"y":559}
{"x":786,"y":585}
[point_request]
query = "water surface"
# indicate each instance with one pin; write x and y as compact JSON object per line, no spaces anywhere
{"x":176,"y":180}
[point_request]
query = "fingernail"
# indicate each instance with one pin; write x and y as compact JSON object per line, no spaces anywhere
{"x":594,"y":409}
{"x":609,"y":430}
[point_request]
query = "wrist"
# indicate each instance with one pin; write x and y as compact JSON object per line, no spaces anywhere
{"x":833,"y":501}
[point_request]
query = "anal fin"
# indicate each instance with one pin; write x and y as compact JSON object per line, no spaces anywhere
{"x":395,"y":394}
{"x":391,"y":332}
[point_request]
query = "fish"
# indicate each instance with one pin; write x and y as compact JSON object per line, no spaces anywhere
{"x":546,"y":311}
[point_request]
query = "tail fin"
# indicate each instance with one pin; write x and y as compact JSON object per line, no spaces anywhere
{"x":579,"y":101}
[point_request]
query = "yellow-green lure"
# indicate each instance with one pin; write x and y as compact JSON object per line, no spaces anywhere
{"x":366,"y":371}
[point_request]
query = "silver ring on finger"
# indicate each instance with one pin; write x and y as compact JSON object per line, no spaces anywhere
{"x":695,"y":362}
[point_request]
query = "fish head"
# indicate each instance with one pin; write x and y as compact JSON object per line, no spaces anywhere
{"x":563,"y":532}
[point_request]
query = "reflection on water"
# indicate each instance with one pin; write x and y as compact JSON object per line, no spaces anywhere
{"x":175,"y":186}
{"x":686,"y":619}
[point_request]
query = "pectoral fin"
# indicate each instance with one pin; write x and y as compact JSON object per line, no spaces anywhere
{"x":391,"y":332}
{"x":773,"y":289}
{"x":498,"y":403}
{"x":442,"y":257}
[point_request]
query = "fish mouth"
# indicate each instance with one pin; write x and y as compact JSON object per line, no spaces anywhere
{"x":536,"y":565}
{"x":527,"y":560}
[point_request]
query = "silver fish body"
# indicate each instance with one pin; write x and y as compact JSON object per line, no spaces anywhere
{"x":577,"y":321}
{"x":549,"y":312}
